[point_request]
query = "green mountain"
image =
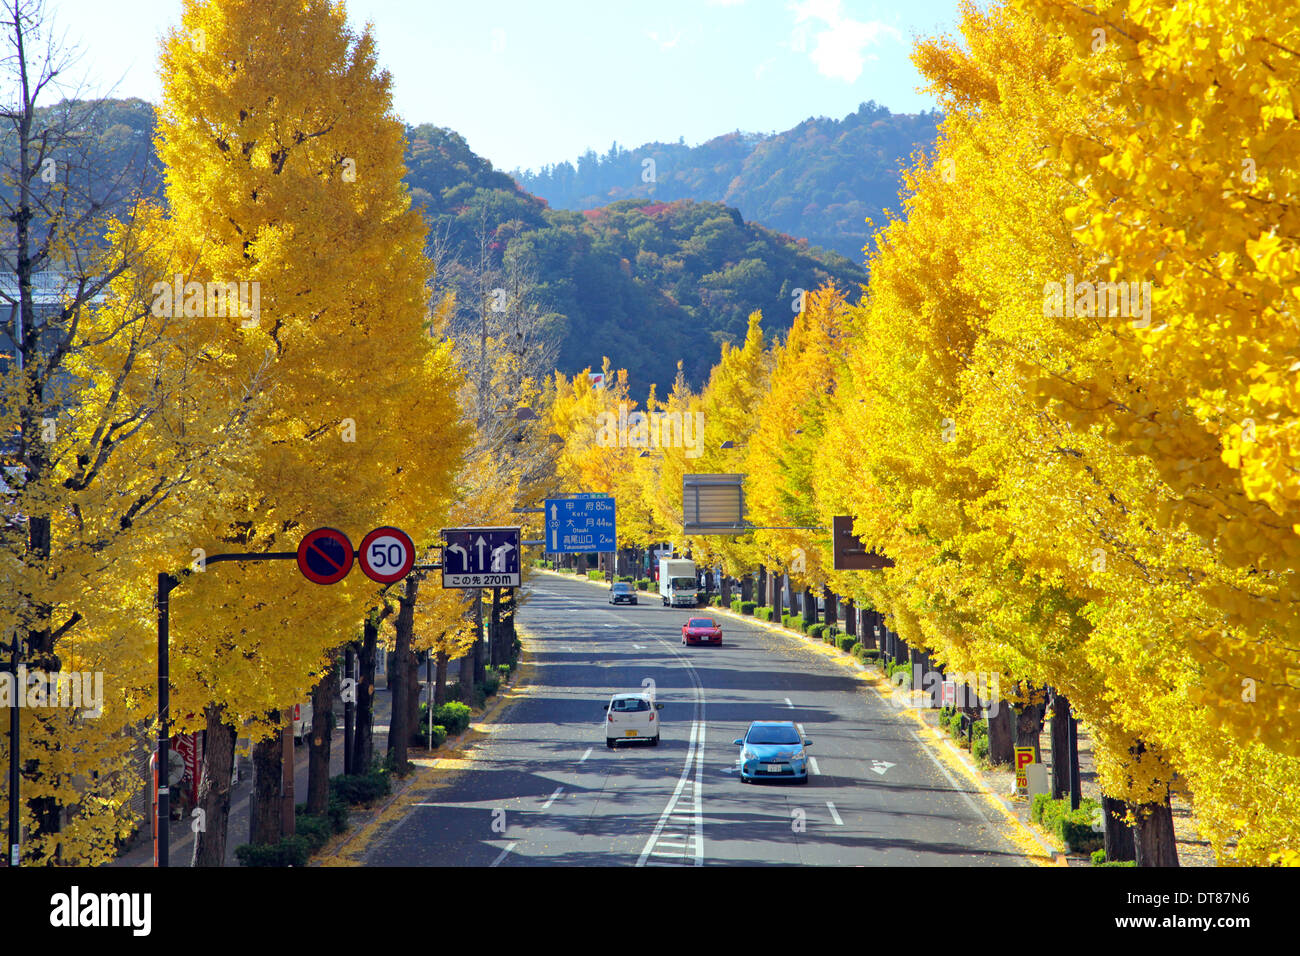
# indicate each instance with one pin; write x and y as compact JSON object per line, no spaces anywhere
{"x":820,"y":180}
{"x":647,"y":283}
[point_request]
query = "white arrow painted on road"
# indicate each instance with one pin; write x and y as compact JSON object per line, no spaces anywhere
{"x":880,"y":766}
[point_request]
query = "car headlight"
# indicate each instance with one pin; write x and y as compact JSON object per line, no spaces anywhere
{"x":746,"y":754}
{"x":799,"y":754}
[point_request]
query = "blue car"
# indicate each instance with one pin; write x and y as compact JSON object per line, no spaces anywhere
{"x":773,"y":750}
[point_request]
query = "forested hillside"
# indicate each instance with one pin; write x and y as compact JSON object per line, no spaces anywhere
{"x":647,"y":283}
{"x":820,"y":180}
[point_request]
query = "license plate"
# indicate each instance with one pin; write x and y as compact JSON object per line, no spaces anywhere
{"x":629,"y":733}
{"x":776,"y":768}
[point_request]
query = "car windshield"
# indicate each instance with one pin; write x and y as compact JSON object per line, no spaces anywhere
{"x":622,"y":587}
{"x":772,"y":735}
{"x":700,"y":622}
{"x":683,"y":582}
{"x":629,"y":704}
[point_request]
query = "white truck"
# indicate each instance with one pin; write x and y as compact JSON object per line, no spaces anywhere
{"x":678,"y":585}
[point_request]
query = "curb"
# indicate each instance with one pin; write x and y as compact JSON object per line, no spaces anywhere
{"x":331,"y":855}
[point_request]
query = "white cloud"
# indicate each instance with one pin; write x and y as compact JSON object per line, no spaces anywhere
{"x":838,"y":42}
{"x":665,"y":44}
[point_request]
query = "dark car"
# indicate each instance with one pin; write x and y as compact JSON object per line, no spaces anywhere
{"x":621,"y":592}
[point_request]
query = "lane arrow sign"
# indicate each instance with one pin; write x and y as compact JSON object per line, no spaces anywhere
{"x":480,"y":544}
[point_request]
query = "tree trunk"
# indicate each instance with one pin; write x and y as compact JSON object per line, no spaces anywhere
{"x":1000,"y":746}
{"x":1119,"y":835}
{"x":214,"y":788}
{"x":494,"y":632}
{"x":1029,"y":725}
{"x":440,"y":681}
{"x":760,"y":592}
{"x":1154,"y":842}
{"x":809,"y":606}
{"x":363,"y":744}
{"x":726,"y":590}
{"x":322,"y":732}
{"x":349,"y":706}
{"x":850,"y":619}
{"x":832,"y":610}
{"x":1060,"y":746}
{"x":747,"y":588}
{"x":399,"y":727}
{"x":268,"y":765}
{"x":477,"y":672}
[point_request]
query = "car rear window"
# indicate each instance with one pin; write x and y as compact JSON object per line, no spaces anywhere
{"x":700,"y":622}
{"x":631,"y":704}
{"x":772,"y":735}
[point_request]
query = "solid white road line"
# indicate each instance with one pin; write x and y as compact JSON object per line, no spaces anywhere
{"x":788,"y":704}
{"x":558,"y":791}
{"x":834,"y":816}
{"x":504,"y":853}
{"x":812,"y":765}
{"x":586,"y":755}
{"x":801,"y":730}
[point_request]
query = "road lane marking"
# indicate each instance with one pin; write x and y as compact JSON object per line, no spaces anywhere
{"x":788,"y":704}
{"x":558,"y":791}
{"x":880,"y":766}
{"x":692,"y":768}
{"x":638,"y":647}
{"x":834,"y":816}
{"x":812,"y":763}
{"x":586,"y":755}
{"x":504,"y":853}
{"x":801,"y":730}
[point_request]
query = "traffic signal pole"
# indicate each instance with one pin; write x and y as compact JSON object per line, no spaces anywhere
{"x":167,"y":583}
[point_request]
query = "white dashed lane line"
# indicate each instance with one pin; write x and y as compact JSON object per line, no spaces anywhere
{"x":504,"y":853}
{"x":547,"y":804}
{"x":834,"y":816}
{"x":586,"y":755}
{"x":812,"y":765}
{"x":789,"y":704}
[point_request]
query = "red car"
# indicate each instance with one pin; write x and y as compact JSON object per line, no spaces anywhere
{"x":701,"y":630}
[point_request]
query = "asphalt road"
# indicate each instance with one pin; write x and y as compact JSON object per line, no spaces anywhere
{"x":543,"y":789}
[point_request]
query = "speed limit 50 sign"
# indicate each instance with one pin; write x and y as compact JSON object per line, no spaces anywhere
{"x":386,"y":555}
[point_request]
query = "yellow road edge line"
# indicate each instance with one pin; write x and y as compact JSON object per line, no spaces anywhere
{"x":1036,"y":848}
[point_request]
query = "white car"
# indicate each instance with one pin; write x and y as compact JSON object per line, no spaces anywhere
{"x":632,"y":717}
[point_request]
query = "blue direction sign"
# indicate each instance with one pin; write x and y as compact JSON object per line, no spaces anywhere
{"x":580,"y":525}
{"x":480,"y":558}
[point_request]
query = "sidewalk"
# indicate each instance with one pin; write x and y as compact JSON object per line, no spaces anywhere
{"x":140,"y":852}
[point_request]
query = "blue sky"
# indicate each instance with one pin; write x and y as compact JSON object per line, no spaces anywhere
{"x":531,"y":82}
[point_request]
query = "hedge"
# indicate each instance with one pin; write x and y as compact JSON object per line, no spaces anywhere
{"x":290,"y":851}
{"x":1071,"y":827}
{"x":845,"y":642}
{"x":747,"y":607}
{"x":643,"y":584}
{"x":595,"y":575}
{"x":359,"y":788}
{"x":763,"y":613}
{"x":817,"y":631}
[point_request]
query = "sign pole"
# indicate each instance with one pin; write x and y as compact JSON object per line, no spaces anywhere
{"x":166,"y":583}
{"x":14,"y":851}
